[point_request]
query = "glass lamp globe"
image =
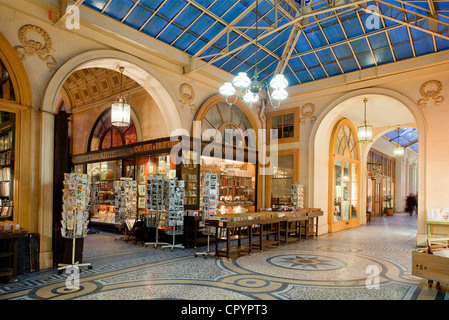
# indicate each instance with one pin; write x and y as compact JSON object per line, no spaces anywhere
{"x":241,"y":81}
{"x":120,"y":113}
{"x":279,"y":82}
{"x":251,"y":97}
{"x":365,"y":134}
{"x":279,"y":94}
{"x":398,"y":152}
{"x":227,"y":89}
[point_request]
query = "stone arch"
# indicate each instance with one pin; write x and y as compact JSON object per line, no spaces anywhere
{"x":137,"y":69}
{"x":320,"y":135}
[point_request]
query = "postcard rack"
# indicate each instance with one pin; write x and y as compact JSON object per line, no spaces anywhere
{"x":208,"y":207}
{"x":75,"y":213}
{"x":156,"y":203}
{"x":174,"y":215}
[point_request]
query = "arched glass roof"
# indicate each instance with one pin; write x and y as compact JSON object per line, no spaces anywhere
{"x":408,"y":137}
{"x":306,"y":40}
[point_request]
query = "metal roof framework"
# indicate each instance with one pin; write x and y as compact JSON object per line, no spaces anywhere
{"x":306,"y":40}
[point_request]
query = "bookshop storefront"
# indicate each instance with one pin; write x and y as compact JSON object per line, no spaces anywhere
{"x":185,"y":159}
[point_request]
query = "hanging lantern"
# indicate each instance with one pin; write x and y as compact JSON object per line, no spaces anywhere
{"x":120,"y":110}
{"x":398,"y":151}
{"x":365,"y":131}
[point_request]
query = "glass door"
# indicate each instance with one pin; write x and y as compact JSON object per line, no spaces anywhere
{"x":344,"y":206}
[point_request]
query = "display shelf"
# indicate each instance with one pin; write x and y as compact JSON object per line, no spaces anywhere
{"x":298,"y":196}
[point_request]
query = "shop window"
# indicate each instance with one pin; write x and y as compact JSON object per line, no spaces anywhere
{"x":6,"y":87}
{"x":105,"y":135}
{"x":285,"y":175}
{"x":286,"y":124}
{"x":237,"y":184}
{"x":230,"y":124}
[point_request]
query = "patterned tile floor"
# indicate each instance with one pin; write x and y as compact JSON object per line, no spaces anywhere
{"x":338,"y":266}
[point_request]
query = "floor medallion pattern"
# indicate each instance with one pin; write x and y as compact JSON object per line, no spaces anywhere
{"x":330,"y":267}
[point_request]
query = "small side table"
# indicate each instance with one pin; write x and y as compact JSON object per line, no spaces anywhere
{"x":13,"y":253}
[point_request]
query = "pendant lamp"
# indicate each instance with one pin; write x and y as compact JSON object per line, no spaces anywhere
{"x":120,"y":110}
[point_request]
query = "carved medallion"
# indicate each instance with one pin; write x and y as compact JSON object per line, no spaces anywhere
{"x":308,"y":114}
{"x":430,"y":90}
{"x":187,"y":96}
{"x":31,"y":47}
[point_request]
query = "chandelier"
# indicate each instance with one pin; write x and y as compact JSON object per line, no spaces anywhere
{"x":120,"y":110}
{"x":365,"y":131}
{"x":398,"y":150}
{"x":248,"y":89}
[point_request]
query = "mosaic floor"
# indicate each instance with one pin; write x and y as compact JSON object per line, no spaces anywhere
{"x":340,"y":266}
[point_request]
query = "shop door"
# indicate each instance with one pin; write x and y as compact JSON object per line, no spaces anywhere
{"x":377,"y":197}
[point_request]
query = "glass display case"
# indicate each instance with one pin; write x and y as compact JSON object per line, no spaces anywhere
{"x":237,"y":184}
{"x":282,"y":181}
{"x":102,"y":176}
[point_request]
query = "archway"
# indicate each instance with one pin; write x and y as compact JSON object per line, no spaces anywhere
{"x":138,"y":70}
{"x":341,"y":108}
{"x":141,"y":72}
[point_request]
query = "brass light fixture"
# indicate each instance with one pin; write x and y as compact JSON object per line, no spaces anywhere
{"x":365,"y":131}
{"x":248,"y":90}
{"x":120,"y":110}
{"x":398,"y":151}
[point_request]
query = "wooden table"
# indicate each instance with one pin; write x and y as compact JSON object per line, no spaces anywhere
{"x":267,"y":227}
{"x":311,"y":215}
{"x":191,"y":230}
{"x":13,"y":253}
{"x":292,"y":224}
{"x":229,"y":231}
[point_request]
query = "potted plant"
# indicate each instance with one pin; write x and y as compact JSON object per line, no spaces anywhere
{"x":368,"y":208}
{"x":389,"y":210}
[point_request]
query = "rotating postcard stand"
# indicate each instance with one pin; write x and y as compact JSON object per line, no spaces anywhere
{"x":174,"y":218}
{"x":156,"y":190}
{"x":76,"y":264}
{"x":125,"y":192}
{"x":208,"y":208}
{"x":75,"y":214}
{"x":154,"y":221}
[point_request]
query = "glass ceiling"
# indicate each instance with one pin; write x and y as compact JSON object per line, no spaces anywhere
{"x":306,"y":40}
{"x":408,"y":137}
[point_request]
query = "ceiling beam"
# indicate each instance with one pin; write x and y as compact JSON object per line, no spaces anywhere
{"x":224,"y":31}
{"x":414,"y":17}
{"x":288,"y":50}
{"x":278,"y":29}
